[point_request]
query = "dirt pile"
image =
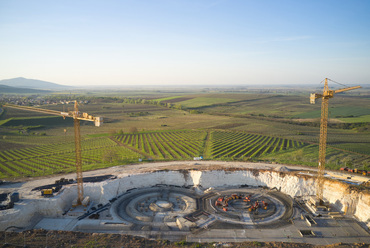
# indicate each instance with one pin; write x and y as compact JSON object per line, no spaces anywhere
{"x":282,"y":168}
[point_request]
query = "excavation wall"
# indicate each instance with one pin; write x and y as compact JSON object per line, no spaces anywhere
{"x":340,"y":194}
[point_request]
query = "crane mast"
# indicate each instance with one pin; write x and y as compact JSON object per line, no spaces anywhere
{"x":325,"y":96}
{"x":77,"y":116}
{"x":76,"y":122}
{"x":322,"y":144}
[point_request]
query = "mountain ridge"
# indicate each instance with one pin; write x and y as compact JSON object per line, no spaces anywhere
{"x":21,"y":82}
{"x":10,"y":89}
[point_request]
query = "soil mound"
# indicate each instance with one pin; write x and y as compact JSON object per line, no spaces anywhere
{"x":281,"y":168}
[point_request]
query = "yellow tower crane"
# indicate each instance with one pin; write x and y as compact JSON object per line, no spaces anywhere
{"x":77,"y":116}
{"x":323,"y":132}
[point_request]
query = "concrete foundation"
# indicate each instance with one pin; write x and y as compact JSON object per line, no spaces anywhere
{"x":183,"y":204}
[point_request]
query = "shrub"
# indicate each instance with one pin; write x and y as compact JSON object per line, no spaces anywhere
{"x":181,"y":243}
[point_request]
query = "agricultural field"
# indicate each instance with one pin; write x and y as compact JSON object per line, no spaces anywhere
{"x":308,"y":156}
{"x":37,"y":121}
{"x":98,"y":152}
{"x":186,"y":144}
{"x":338,"y":112}
{"x":243,"y":125}
{"x":60,"y":157}
{"x":294,"y":105}
{"x":178,"y":144}
{"x":241,"y":145}
{"x":205,"y":101}
{"x":361,"y":119}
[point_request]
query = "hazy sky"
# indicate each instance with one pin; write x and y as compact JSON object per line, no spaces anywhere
{"x":129,"y":42}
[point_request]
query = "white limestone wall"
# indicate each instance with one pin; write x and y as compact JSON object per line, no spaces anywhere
{"x":28,"y":209}
{"x":104,"y":191}
{"x":293,"y":185}
{"x":363,"y":208}
{"x":339,"y":194}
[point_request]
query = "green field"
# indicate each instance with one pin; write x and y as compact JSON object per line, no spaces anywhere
{"x":159,"y":145}
{"x":100,"y":151}
{"x":246,"y":125}
{"x":338,"y":112}
{"x":204,"y":101}
{"x":179,"y":144}
{"x":36,"y":121}
{"x":60,"y":157}
{"x":241,"y":145}
{"x":168,"y":98}
{"x":363,"y":118}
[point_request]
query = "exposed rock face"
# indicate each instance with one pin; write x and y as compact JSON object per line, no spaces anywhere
{"x":347,"y":200}
{"x":362,"y":208}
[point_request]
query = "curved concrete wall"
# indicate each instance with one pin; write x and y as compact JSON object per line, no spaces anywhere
{"x":356,"y":203}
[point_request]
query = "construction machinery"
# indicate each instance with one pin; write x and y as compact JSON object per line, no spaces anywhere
{"x":77,"y":116}
{"x":47,"y":192}
{"x":325,"y":96}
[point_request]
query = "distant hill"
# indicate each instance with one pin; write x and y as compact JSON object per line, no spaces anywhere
{"x":32,"y":84}
{"x":9,"y":89}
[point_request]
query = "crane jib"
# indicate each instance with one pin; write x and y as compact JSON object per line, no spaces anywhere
{"x":77,"y":116}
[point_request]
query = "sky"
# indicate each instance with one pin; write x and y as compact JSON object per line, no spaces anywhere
{"x":185,"y":42}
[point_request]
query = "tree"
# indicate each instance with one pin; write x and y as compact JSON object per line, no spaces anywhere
{"x":347,"y":162}
{"x":112,"y":132}
{"x":299,"y":155}
{"x":110,"y":156}
{"x":132,"y":130}
{"x":365,"y":165}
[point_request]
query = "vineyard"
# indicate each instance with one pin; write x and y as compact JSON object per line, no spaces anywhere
{"x":274,"y":127}
{"x":60,"y":157}
{"x":243,"y":145}
{"x":189,"y":144}
{"x":167,"y":145}
{"x":100,"y":152}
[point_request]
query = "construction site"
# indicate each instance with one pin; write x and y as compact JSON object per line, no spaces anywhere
{"x":195,"y":201}
{"x":201,"y":201}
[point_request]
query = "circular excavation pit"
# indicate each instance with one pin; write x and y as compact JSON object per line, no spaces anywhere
{"x":212,"y":203}
{"x":155,"y":208}
{"x":250,"y":208}
{"x":171,"y":208}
